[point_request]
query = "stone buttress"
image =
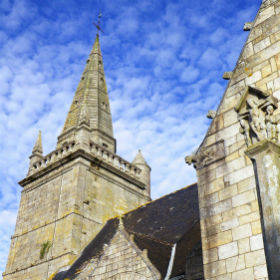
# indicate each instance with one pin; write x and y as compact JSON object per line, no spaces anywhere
{"x":238,"y":162}
{"x":70,"y":193}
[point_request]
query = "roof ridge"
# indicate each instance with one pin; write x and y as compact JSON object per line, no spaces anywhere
{"x":149,"y":237}
{"x":149,"y":202}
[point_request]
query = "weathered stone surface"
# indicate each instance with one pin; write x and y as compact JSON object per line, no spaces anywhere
{"x":70,"y":193}
{"x":266,"y":159}
{"x":247,"y":274}
{"x":235,"y":219}
{"x":244,"y":245}
{"x":247,"y":26}
{"x":120,"y":260}
{"x":228,"y":250}
{"x":227,"y":75}
{"x":235,"y":263}
{"x":256,"y":242}
{"x":255,"y":258}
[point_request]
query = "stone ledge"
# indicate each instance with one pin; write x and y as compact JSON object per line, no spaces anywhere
{"x":92,"y":158}
{"x":28,"y":267}
{"x":261,"y":146}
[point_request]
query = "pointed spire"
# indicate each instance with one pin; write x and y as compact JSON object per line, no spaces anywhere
{"x":37,"y":153}
{"x":38,"y":148}
{"x":145,"y":175}
{"x":139,"y":159}
{"x":91,"y":103}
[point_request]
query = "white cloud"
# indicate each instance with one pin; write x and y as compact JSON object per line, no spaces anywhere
{"x":189,"y":74}
{"x":210,"y":58}
{"x":219,"y":35}
{"x":151,"y":51}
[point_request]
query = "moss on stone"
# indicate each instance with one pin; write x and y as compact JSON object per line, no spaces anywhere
{"x":45,"y":248}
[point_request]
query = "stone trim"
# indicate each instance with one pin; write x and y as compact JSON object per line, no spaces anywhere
{"x":151,"y":238}
{"x":92,"y":158}
{"x":46,"y":180}
{"x":28,"y":267}
{"x":260,"y":147}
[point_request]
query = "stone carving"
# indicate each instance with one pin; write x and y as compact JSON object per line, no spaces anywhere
{"x":207,"y":155}
{"x":211,"y":114}
{"x":227,"y":75}
{"x":248,"y":26}
{"x":259,"y":116}
{"x":245,"y":129}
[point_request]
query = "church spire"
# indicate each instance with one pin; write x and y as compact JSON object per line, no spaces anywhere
{"x":91,"y":98}
{"x":37,"y":152}
{"x":38,"y":148}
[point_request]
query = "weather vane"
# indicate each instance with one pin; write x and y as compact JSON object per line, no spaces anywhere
{"x":97,"y":25}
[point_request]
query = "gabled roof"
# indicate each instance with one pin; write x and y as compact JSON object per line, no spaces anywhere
{"x":156,"y":227}
{"x":167,"y":218}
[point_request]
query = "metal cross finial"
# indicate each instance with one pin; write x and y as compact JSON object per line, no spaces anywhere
{"x":97,"y":25}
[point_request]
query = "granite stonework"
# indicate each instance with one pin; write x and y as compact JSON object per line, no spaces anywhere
{"x":66,"y":228}
{"x":121,"y":260}
{"x":69,"y":194}
{"x":160,"y":240}
{"x":265,"y":156}
{"x":231,"y":215}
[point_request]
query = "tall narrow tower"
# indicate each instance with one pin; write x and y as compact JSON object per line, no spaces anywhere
{"x":70,"y":193}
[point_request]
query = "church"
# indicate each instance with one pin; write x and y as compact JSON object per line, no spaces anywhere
{"x":86,"y":213}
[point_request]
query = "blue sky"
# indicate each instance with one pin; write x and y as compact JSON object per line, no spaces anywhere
{"x":163,"y":60}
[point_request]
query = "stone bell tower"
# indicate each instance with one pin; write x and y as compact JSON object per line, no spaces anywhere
{"x":70,"y":193}
{"x":238,"y":162}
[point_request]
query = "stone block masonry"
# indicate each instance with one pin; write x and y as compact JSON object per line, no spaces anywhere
{"x":70,"y":193}
{"x":121,"y":260}
{"x":66,"y":207}
{"x":232,"y":235}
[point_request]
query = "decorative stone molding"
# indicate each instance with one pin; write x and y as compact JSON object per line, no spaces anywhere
{"x":207,"y":155}
{"x":259,"y":116}
{"x":95,"y":153}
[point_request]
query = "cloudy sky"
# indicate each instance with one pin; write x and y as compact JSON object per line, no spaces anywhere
{"x":163,"y":61}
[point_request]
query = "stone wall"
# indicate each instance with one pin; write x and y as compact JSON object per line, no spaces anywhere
{"x":63,"y":210}
{"x":121,"y":259}
{"x":230,"y":219}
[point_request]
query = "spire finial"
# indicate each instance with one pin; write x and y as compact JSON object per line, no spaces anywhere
{"x":90,"y":106}
{"x":139,"y":159}
{"x":38,"y":149}
{"x":97,"y":25}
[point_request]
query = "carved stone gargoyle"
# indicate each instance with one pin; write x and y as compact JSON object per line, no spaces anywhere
{"x":259,"y":116}
{"x":206,"y":155}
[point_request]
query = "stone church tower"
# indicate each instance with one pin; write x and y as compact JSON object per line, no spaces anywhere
{"x":70,"y":193}
{"x":238,"y":164}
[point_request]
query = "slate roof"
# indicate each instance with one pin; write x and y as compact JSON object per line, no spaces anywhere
{"x":156,"y":226}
